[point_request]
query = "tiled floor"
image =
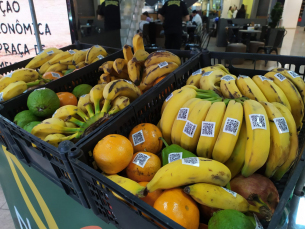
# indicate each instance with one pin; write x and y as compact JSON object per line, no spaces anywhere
{"x":293,"y":44}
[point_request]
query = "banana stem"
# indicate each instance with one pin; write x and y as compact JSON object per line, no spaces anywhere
{"x":31,"y":84}
{"x":106,"y":106}
{"x":82,"y":115}
{"x":68,"y":130}
{"x":70,"y":137}
{"x":114,"y":110}
{"x":97,"y":106}
{"x":163,"y":140}
{"x":76,"y":121}
{"x":90,"y":110}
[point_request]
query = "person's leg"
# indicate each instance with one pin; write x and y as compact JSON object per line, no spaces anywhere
{"x":176,"y":41}
{"x":168,"y":43}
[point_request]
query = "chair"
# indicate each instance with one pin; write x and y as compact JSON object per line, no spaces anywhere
{"x":237,"y":47}
{"x":146,"y":34}
{"x":255,"y":45}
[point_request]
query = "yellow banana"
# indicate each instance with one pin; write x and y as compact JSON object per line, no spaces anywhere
{"x":107,"y":67}
{"x":96,"y":95}
{"x":294,"y":142}
{"x":55,"y":139}
{"x":140,"y":56}
{"x":249,"y":89}
{"x":279,"y":139}
{"x":213,"y":123}
{"x":57,"y":68}
{"x":127,"y":52}
{"x":118,"y":104}
{"x":292,"y":94}
{"x":68,"y":111}
{"x":70,"y":66}
{"x":55,"y":121}
{"x":258,"y":134}
{"x":229,"y":132}
{"x":271,"y":91}
{"x":44,"y":68}
{"x":85,"y":104}
{"x":189,"y":171}
{"x":67,"y":61}
{"x":192,"y":127}
{"x":161,"y":56}
{"x":12,"y":90}
{"x":137,"y":42}
{"x":80,"y":65}
{"x":79,"y":56}
{"x":236,"y":162}
{"x":166,"y":101}
{"x":134,"y":71}
{"x":60,"y":56}
{"x":94,"y":52}
{"x":43,"y":57}
{"x":43,"y":130}
{"x":51,"y":121}
{"x":171,"y":110}
{"x":24,"y":74}
{"x":70,"y":124}
{"x":228,"y":87}
{"x":211,"y":81}
{"x":119,"y":64}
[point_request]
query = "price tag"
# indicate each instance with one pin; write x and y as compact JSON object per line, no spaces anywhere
{"x":206,"y":73}
{"x":293,"y":74}
{"x":50,"y":52}
{"x":100,"y":57}
{"x":189,"y":129}
{"x":280,"y":76}
{"x":141,"y":159}
{"x":163,"y":64}
{"x":208,"y":129}
{"x":183,"y":114}
{"x":229,"y":191}
{"x":169,"y":97}
{"x":193,"y":161}
{"x":199,"y":71}
{"x":263,"y":78}
{"x":257,"y":121}
{"x":174,"y":157}
{"x":71,"y":52}
{"x":281,"y":125}
{"x":54,"y":74}
{"x":227,"y":78}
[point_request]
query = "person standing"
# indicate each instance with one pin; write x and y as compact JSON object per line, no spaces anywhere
{"x":172,"y":14}
{"x":235,"y":12}
{"x":230,"y":13}
{"x":196,"y":18}
{"x":241,"y":12}
{"x":146,"y":16}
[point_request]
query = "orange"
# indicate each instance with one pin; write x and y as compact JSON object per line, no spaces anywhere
{"x":158,"y":80}
{"x":67,"y":98}
{"x":151,"y":197}
{"x":145,"y":137}
{"x":113,"y":153}
{"x":52,"y":75}
{"x":179,"y":207}
{"x":143,"y":166}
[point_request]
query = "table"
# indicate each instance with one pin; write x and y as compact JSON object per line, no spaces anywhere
{"x":249,"y":31}
{"x":248,"y":34}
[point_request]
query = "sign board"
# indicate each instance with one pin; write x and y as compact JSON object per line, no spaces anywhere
{"x":17,"y":37}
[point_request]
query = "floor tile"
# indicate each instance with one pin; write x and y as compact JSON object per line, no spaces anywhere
{"x":6,"y":219}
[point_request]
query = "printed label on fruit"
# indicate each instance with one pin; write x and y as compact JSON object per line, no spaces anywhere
{"x":293,"y":74}
{"x":160,"y":51}
{"x":281,"y":125}
{"x":206,"y":74}
{"x":50,"y":52}
{"x":82,"y":96}
{"x":280,"y":76}
{"x":229,"y":191}
{"x":174,"y":157}
{"x":100,"y":57}
{"x":231,"y":126}
{"x":96,"y":46}
{"x":243,"y":76}
{"x":189,"y":128}
{"x":263,"y":78}
{"x":138,"y":138}
{"x":258,"y":224}
{"x":199,"y":71}
{"x":1,"y":96}
{"x":54,"y":74}
{"x":193,"y":161}
{"x":128,"y":81}
{"x":71,"y":52}
{"x":141,"y":159}
{"x":227,"y":78}
{"x":169,"y":97}
{"x":25,"y":91}
{"x":85,"y":49}
{"x":163,"y":64}
{"x":258,"y":121}
{"x":183,"y":114}
{"x":40,"y":89}
{"x":208,"y":129}
{"x":9,"y":75}
{"x":54,"y":114}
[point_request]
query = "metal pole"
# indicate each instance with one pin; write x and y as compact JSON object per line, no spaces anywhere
{"x":32,"y":8}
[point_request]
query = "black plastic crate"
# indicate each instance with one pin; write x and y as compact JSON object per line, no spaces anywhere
{"x":47,"y":159}
{"x":147,"y":109}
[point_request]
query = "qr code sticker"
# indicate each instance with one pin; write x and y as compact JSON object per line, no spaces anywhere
{"x":229,"y":191}
{"x":258,"y":121}
{"x":96,"y":46}
{"x":231,"y":126}
{"x":208,"y":129}
{"x":100,"y":57}
{"x":163,"y":64}
{"x":243,"y":76}
{"x":227,"y":78}
{"x":293,"y":74}
{"x":280,"y":76}
{"x":71,"y":52}
{"x":281,"y":125}
{"x":206,"y":73}
{"x":199,"y":71}
{"x":141,"y":159}
{"x":194,"y":161}
{"x":1,"y":96}
{"x":56,"y":75}
{"x":183,"y":114}
{"x":138,"y":138}
{"x":257,"y":222}
{"x":50,"y":52}
{"x":174,"y":157}
{"x":169,"y":97}
{"x":263,"y":78}
{"x":189,"y":129}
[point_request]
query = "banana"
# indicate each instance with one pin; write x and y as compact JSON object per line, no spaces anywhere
{"x":118,"y":104}
{"x":171,"y":110}
{"x":221,"y":67}
{"x":70,"y":66}
{"x":221,"y":198}
{"x":107,"y":67}
{"x":119,"y":64}
{"x":12,"y":90}
{"x":192,"y":127}
{"x":228,"y":87}
{"x":43,"y":57}
{"x":214,"y":117}
{"x":166,"y":101}
{"x":79,"y":56}
{"x":249,"y":89}
{"x":55,"y":121}
{"x":258,"y":135}
{"x":211,"y":81}
{"x":85,"y":104}
{"x":161,"y":56}
{"x":294,"y":78}
{"x":55,"y":139}
{"x":96,"y":95}
{"x":94,"y":52}
{"x":60,"y":56}
{"x":68,"y":111}
{"x":106,"y":78}
{"x":44,"y":68}
{"x":236,"y":162}
{"x":140,"y":56}
{"x":189,"y":171}
{"x":117,"y":88}
{"x":137,"y":42}
{"x":178,"y":124}
{"x":99,"y":57}
{"x":229,"y":132}
{"x":24,"y":74}
{"x":142,"y":86}
{"x":70,"y":124}
{"x":57,"y":68}
{"x":294,"y":142}
{"x":292,"y":94}
{"x":271,"y":91}
{"x":156,"y":71}
{"x":67,"y":61}
{"x":128,"y":184}
{"x":80,"y":65}
{"x":127,"y":52}
{"x":279,"y":139}
{"x":134,"y":71}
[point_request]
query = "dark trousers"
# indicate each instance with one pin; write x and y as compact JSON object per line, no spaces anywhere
{"x":173,"y":40}
{"x":108,"y":39}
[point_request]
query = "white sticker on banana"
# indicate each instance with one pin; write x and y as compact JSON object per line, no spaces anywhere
{"x":183,"y":114}
{"x":169,"y":97}
{"x":293,"y":74}
{"x":199,"y":71}
{"x":263,"y":78}
{"x":71,"y":52}
{"x":189,"y":128}
{"x":208,"y":129}
{"x":280,"y":76}
{"x":229,"y":191}
{"x":207,"y":73}
{"x":227,"y":78}
{"x":258,"y":121}
{"x":281,"y":125}
{"x":163,"y":64}
{"x":50,"y":52}
{"x":193,"y":161}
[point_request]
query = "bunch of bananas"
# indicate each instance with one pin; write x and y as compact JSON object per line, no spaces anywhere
{"x":69,"y":122}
